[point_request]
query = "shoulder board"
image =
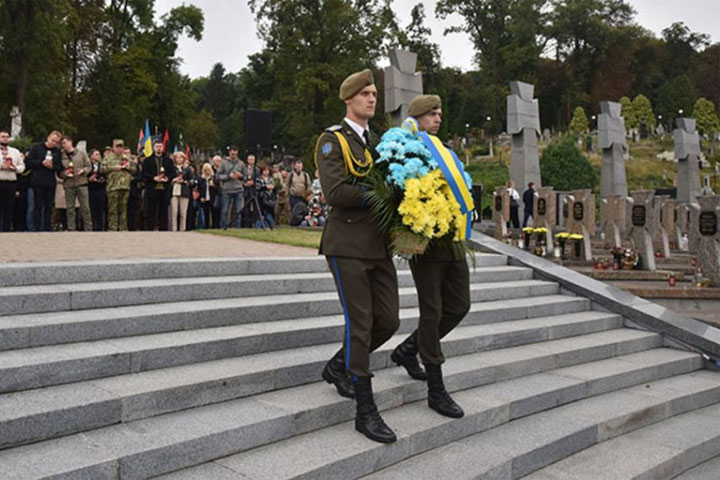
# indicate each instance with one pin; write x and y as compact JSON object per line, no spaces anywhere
{"x":334,"y":128}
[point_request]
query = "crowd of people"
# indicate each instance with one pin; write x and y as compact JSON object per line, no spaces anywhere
{"x":55,"y":186}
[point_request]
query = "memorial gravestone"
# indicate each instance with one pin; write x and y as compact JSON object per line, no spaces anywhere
{"x":660,"y":235}
{"x":708,"y":238}
{"x":611,"y":139}
{"x":612,"y":218}
{"x":523,"y":123}
{"x":402,"y":84}
{"x":581,"y":218}
{"x":638,"y":227}
{"x":687,"y":153}
{"x":545,"y":213}
{"x":668,"y":220}
{"x":501,"y":211}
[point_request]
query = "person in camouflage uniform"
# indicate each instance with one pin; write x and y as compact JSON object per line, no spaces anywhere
{"x":118,"y":169}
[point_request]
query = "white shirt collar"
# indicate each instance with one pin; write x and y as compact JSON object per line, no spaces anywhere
{"x":358,"y":129}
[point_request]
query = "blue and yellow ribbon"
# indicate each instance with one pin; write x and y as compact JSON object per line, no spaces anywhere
{"x":452,"y":169}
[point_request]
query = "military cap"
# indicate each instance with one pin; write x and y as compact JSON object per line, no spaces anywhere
{"x":422,"y":104}
{"x":118,"y":142}
{"x":356,"y":82}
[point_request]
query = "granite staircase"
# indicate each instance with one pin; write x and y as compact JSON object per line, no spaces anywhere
{"x":210,"y":369}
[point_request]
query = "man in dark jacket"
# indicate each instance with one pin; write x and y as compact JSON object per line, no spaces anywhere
{"x":44,"y":160}
{"x":528,"y":199}
{"x":158,"y":171}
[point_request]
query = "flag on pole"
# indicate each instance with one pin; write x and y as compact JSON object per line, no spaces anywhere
{"x":140,"y":142}
{"x":187,"y":152}
{"x":147,"y":148}
{"x":165,"y":140}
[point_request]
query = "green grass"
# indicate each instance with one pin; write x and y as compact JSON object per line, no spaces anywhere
{"x":297,"y":237}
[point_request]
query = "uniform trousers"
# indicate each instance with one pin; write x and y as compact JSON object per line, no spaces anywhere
{"x":117,"y":210}
{"x":443,"y":289}
{"x":368,"y":292}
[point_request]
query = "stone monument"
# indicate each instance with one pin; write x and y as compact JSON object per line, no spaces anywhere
{"x":545,"y":213}
{"x":612,"y":218}
{"x":581,"y":218}
{"x":611,"y":139}
{"x":658,"y":231}
{"x":501,"y":211}
{"x":668,"y":221}
{"x":402,"y":84}
{"x":708,"y":238}
{"x":523,"y":123}
{"x":638,"y":227}
{"x":15,"y":122}
{"x":687,"y":153}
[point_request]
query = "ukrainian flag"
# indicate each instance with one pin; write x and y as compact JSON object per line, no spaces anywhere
{"x":147,"y":147}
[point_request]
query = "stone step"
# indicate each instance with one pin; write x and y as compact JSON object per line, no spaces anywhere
{"x":59,"y":364}
{"x":23,"y":274}
{"x":705,"y":471}
{"x":48,"y":412}
{"x":34,"y":330}
{"x":83,"y":296}
{"x":663,"y":450}
{"x":340,"y":452}
{"x":166,"y":443}
{"x":523,"y":446}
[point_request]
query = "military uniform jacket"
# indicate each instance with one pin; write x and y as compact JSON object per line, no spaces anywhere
{"x":117,"y":179}
{"x":350,"y":230}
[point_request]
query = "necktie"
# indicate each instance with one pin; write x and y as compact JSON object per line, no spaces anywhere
{"x":366,"y":137}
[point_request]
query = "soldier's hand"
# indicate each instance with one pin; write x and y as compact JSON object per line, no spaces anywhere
{"x":118,"y":168}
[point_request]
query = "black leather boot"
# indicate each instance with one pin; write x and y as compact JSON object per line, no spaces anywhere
{"x":334,"y":373}
{"x":405,"y":355}
{"x":367,"y":419}
{"x":438,"y":398}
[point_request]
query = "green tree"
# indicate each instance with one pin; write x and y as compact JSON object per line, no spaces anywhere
{"x":676,"y":95}
{"x":416,"y":38}
{"x":579,"y":123}
{"x":628,"y":113}
{"x":202,"y":131}
{"x":707,"y":119}
{"x":643,"y":111}
{"x":564,"y":167}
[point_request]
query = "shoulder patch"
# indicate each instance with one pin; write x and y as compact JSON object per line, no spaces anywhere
{"x":334,"y":128}
{"x":326,"y":148}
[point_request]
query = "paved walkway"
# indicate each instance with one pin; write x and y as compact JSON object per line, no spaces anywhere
{"x":74,"y":246}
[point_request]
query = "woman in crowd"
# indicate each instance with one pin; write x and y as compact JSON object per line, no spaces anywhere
{"x":180,"y":193}
{"x":266,"y":197}
{"x":206,"y":193}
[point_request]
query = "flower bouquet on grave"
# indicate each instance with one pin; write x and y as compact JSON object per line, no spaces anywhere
{"x":562,"y":239}
{"x":527,"y":236}
{"x":577,"y":240}
{"x":540,"y":241}
{"x":411,"y":197}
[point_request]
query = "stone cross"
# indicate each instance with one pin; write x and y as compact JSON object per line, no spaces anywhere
{"x":658,"y":231}
{"x":15,"y":122}
{"x":611,"y":139}
{"x":402,"y":84}
{"x":669,"y":221}
{"x":687,"y":153}
{"x":523,"y":123}
{"x":545,"y":213}
{"x":638,"y":227}
{"x":501,"y":211}
{"x":708,"y":239}
{"x":612,"y":218}
{"x":581,"y":217}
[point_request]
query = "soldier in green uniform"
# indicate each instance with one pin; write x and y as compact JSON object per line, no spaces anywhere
{"x":442,"y":280}
{"x":357,"y":253}
{"x":118,"y":169}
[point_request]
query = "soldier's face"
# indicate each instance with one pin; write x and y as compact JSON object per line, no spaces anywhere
{"x":430,"y":122}
{"x":118,"y":149}
{"x":363,"y":104}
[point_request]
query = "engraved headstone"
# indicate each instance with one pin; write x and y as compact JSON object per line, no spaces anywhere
{"x":612,"y":218}
{"x":611,"y":139}
{"x":708,"y":247}
{"x":687,"y":153}
{"x":661,"y":236}
{"x":523,"y":123}
{"x":402,"y":83}
{"x":581,"y":217}
{"x":501,"y":211}
{"x":638,"y":226}
{"x":668,"y":220}
{"x":545,"y":213}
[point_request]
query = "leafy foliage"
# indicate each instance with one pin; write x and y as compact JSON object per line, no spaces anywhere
{"x":707,"y":119}
{"x":579,"y":123}
{"x":565,"y":168}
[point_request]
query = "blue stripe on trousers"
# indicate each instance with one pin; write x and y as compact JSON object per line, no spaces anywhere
{"x":345,"y":312}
